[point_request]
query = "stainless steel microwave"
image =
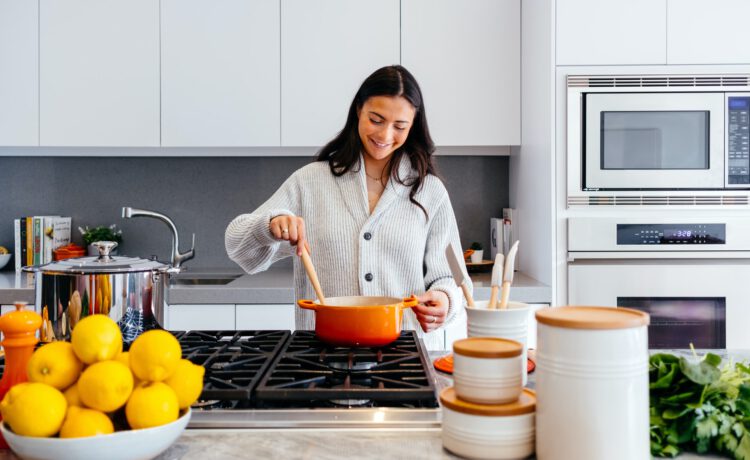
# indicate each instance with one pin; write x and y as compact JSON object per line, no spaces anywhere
{"x":634,"y":134}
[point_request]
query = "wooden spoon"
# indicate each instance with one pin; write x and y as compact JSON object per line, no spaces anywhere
{"x":510,"y":261}
{"x":310,"y":269}
{"x":497,"y":279}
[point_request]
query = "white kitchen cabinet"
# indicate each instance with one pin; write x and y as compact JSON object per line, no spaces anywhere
{"x":466,"y":56}
{"x":328,"y":47}
{"x":264,"y":317}
{"x":611,"y":32}
{"x":19,"y":73}
{"x":220,"y":76}
{"x":99,"y":73}
{"x":708,"y":32}
{"x":200,"y":317}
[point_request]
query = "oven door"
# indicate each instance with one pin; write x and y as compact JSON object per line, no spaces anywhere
{"x":653,"y":141}
{"x":703,"y":302}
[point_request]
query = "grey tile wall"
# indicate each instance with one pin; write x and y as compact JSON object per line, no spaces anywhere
{"x":202,"y":195}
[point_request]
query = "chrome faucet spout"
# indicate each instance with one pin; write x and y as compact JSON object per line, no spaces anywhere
{"x":177,"y":257}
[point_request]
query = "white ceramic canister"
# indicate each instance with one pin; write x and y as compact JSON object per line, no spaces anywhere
{"x":486,"y":370}
{"x":592,"y":384}
{"x":501,"y":431}
{"x":511,"y":323}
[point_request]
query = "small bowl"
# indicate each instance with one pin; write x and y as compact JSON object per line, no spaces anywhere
{"x":4,"y":258}
{"x":121,"y":445}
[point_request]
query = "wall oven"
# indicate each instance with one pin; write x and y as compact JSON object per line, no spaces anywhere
{"x":656,"y":135}
{"x":691,"y":275}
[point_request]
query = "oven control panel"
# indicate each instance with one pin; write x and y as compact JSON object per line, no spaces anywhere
{"x":628,"y":234}
{"x":738,"y":140}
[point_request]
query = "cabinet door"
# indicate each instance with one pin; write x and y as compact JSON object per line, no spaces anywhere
{"x":598,"y":32}
{"x":708,"y":32}
{"x":220,"y":73}
{"x":466,"y":56}
{"x":19,"y":73}
{"x":99,"y":79}
{"x":328,"y":47}
{"x":264,"y":317}
{"x":200,"y":317}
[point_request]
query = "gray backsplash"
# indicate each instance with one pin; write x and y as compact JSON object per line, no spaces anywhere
{"x":202,"y":195}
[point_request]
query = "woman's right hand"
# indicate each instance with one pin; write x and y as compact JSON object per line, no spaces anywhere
{"x":292,"y":229}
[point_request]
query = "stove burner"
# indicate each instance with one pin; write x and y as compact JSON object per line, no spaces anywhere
{"x":351,"y":366}
{"x":349,"y":402}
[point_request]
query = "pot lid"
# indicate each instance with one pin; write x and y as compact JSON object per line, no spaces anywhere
{"x":103,"y":263}
{"x":525,"y":404}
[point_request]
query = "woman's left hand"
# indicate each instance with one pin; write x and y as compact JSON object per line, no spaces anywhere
{"x":432,"y":310}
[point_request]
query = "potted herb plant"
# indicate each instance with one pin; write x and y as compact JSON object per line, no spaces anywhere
{"x":478,"y":255}
{"x":101,"y":233}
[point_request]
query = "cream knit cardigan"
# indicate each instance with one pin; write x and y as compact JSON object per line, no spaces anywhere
{"x":405,"y":252}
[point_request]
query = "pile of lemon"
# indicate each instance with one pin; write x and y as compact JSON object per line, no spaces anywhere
{"x":78,"y":388}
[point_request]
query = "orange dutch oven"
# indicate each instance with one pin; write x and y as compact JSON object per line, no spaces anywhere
{"x":359,"y":320}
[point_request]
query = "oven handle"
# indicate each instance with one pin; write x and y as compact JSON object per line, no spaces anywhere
{"x":665,"y":255}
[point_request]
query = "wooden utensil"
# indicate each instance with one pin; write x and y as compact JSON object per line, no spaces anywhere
{"x":459,"y":275}
{"x":310,"y":269}
{"x":497,"y":278}
{"x":510,"y":262}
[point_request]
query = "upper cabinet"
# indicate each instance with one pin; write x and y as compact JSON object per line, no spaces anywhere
{"x":220,"y":73}
{"x":466,"y":56}
{"x":708,"y":32}
{"x":328,"y":47}
{"x":612,"y":32}
{"x":99,"y":77}
{"x":19,"y":76}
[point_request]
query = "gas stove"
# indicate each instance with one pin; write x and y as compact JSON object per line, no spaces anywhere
{"x":274,"y":379}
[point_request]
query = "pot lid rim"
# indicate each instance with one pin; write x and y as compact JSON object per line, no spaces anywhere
{"x":89,"y":265}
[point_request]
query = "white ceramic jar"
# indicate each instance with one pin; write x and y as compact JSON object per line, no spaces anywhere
{"x":592,"y":384}
{"x":486,"y":370}
{"x":502,"y":431}
{"x":511,"y":323}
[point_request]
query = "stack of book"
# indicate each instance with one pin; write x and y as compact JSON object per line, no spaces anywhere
{"x":37,"y":236}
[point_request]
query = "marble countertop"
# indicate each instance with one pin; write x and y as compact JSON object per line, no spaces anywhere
{"x":274,"y":286}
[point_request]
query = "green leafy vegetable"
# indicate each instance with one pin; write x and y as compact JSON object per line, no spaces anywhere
{"x":698,"y":405}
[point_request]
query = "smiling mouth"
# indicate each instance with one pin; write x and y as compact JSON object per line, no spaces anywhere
{"x":379,"y":145}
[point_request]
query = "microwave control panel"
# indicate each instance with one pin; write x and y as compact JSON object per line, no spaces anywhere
{"x":738,"y":139}
{"x":629,"y":234}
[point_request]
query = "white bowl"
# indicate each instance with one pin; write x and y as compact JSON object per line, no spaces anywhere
{"x":121,"y":445}
{"x":4,"y":258}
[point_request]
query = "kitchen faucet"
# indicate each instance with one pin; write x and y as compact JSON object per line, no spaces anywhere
{"x":177,"y":258}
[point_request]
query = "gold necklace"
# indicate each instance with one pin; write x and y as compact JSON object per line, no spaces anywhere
{"x":376,"y":179}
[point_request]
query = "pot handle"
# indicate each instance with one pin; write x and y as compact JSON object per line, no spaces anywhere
{"x":307,"y":304}
{"x":409,"y":302}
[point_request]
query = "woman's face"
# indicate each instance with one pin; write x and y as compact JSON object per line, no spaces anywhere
{"x":384,"y":124}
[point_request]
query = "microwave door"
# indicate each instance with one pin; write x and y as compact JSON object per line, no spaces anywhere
{"x":654,"y":141}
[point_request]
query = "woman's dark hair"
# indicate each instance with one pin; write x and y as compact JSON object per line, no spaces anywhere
{"x":342,"y":153}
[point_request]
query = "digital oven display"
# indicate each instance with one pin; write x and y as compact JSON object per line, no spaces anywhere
{"x":629,"y":234}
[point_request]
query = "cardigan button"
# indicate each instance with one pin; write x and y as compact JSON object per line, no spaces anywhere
{"x":368,"y":277}
{"x":367,"y":236}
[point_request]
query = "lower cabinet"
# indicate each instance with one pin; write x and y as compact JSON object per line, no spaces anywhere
{"x":213,"y":317}
{"x":205,"y":317}
{"x":264,"y":316}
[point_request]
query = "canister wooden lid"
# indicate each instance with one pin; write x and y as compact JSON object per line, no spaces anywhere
{"x":487,"y":347}
{"x":592,"y":317}
{"x":525,"y":404}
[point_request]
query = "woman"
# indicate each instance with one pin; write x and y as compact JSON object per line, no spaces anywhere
{"x":371,"y":211}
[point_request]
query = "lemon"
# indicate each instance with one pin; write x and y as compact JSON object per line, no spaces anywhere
{"x":154,"y":355}
{"x":105,"y":385}
{"x":55,"y":364}
{"x":72,"y":396}
{"x":3,"y":250}
{"x":96,"y":338}
{"x":187,"y":382}
{"x":124,"y":358}
{"x":34,"y":409}
{"x":152,"y":404}
{"x":80,"y":423}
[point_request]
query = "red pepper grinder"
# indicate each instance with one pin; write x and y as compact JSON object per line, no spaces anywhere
{"x":19,"y":338}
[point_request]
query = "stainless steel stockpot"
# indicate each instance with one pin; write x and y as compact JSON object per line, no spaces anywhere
{"x":129,"y":290}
